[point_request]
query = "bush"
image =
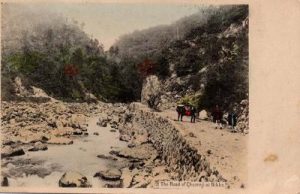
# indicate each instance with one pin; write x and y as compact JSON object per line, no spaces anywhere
{"x":190,"y":100}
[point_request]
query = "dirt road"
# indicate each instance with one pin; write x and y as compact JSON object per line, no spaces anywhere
{"x":225,"y":151}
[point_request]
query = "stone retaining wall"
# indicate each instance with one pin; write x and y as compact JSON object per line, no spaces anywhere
{"x":181,"y":158}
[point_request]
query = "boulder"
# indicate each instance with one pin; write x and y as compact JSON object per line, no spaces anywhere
{"x":102,"y":123}
{"x":109,"y":174}
{"x":89,"y":97}
{"x":84,"y":128}
{"x":103,"y":120}
{"x":125,"y":138}
{"x":158,"y":170}
{"x":203,"y":115}
{"x":8,"y":142}
{"x":126,"y":177}
{"x":115,"y":119}
{"x":73,"y":179}
{"x":4,"y":182}
{"x":244,"y":102}
{"x":114,"y":152}
{"x":212,"y":178}
{"x":140,"y":138}
{"x":38,"y":146}
{"x":77,"y":132}
{"x":63,"y":131}
{"x":140,"y":152}
{"x":60,"y":141}
{"x":140,"y":181}
{"x":203,"y":176}
{"x":151,"y":91}
{"x":51,"y":121}
{"x":39,"y":93}
{"x":19,"y":88}
{"x":243,"y":119}
{"x":26,"y":136}
{"x":131,"y":145}
{"x":102,"y":156}
{"x":59,"y":124}
{"x":115,"y":184}
{"x":191,"y":134}
{"x":77,"y":120}
{"x":8,"y":151}
{"x":114,"y":126}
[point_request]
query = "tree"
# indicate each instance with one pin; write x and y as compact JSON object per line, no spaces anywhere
{"x":146,"y":68}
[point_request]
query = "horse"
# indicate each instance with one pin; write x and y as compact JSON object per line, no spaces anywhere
{"x":184,"y":110}
{"x":180,"y":109}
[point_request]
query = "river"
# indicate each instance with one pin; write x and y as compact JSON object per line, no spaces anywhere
{"x":81,"y":156}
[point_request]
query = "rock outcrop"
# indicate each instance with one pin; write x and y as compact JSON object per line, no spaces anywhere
{"x":151,"y":91}
{"x":39,"y":124}
{"x":10,"y":152}
{"x":102,"y":156}
{"x":38,"y":146}
{"x":243,"y":119}
{"x":203,"y":115}
{"x":60,"y":141}
{"x":73,"y":179}
{"x":140,"y":152}
{"x":4,"y":182}
{"x":109,"y":174}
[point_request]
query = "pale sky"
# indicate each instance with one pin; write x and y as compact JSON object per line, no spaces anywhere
{"x":107,"y":21}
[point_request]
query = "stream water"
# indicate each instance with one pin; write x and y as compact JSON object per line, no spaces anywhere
{"x":81,"y":156}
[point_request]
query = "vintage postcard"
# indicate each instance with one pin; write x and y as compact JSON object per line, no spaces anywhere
{"x":138,"y":96}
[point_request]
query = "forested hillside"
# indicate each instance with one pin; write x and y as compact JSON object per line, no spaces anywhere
{"x":55,"y":55}
{"x":203,"y":58}
{"x":76,"y":115}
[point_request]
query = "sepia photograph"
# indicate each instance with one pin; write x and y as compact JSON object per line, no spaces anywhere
{"x":119,"y":95}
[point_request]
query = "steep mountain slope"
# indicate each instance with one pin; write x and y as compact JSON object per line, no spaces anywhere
{"x":54,"y":53}
{"x":207,"y":60}
{"x":203,"y":58}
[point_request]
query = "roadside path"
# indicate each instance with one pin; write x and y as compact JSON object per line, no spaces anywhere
{"x":225,"y":151}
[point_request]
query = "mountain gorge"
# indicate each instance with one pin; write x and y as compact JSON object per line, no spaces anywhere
{"x":64,"y":98}
{"x":202,"y":59}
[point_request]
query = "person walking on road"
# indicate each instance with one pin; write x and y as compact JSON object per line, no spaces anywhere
{"x":180,"y":112}
{"x":232,"y":118}
{"x":193,"y":114}
{"x":217,"y":117}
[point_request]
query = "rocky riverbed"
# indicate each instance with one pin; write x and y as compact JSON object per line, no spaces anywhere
{"x":60,"y":144}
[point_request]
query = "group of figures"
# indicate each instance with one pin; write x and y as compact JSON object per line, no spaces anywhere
{"x":186,"y":110}
{"x":220,"y":120}
{"x":217,"y":115}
